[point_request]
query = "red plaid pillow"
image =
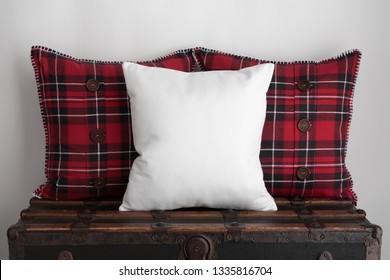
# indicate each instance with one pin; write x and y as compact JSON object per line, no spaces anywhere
{"x":309,"y":107}
{"x":87,"y":121}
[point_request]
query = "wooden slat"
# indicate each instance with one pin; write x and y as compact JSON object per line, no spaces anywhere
{"x":195,"y":227}
{"x":190,"y":215}
{"x":115,"y":203}
{"x":331,"y":202}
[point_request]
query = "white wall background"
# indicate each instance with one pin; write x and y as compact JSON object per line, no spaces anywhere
{"x":139,"y":30}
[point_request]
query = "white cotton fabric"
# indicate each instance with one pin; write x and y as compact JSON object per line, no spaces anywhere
{"x":198,"y":137}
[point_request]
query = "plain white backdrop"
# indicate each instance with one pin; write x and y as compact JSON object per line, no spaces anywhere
{"x":140,"y":30}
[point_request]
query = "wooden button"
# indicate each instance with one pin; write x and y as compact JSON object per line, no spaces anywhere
{"x":99,"y":183}
{"x":304,"y":125}
{"x":98,"y":135}
{"x":303,"y":173}
{"x":92,"y":85}
{"x":303,"y":85}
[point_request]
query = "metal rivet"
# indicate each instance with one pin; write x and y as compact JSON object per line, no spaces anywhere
{"x":65,"y":255}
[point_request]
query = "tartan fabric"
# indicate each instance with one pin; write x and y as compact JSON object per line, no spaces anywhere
{"x":327,"y":104}
{"x":78,"y":165}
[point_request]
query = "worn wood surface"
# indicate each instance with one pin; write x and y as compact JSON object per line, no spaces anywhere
{"x":310,"y":225}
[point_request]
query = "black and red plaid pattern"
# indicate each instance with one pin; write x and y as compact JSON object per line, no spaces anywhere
{"x":87,"y":121}
{"x":309,"y":107}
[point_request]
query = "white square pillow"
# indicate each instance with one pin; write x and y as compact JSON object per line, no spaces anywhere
{"x":198,"y":136}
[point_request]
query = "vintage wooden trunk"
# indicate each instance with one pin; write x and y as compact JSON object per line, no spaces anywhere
{"x":300,"y":229}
